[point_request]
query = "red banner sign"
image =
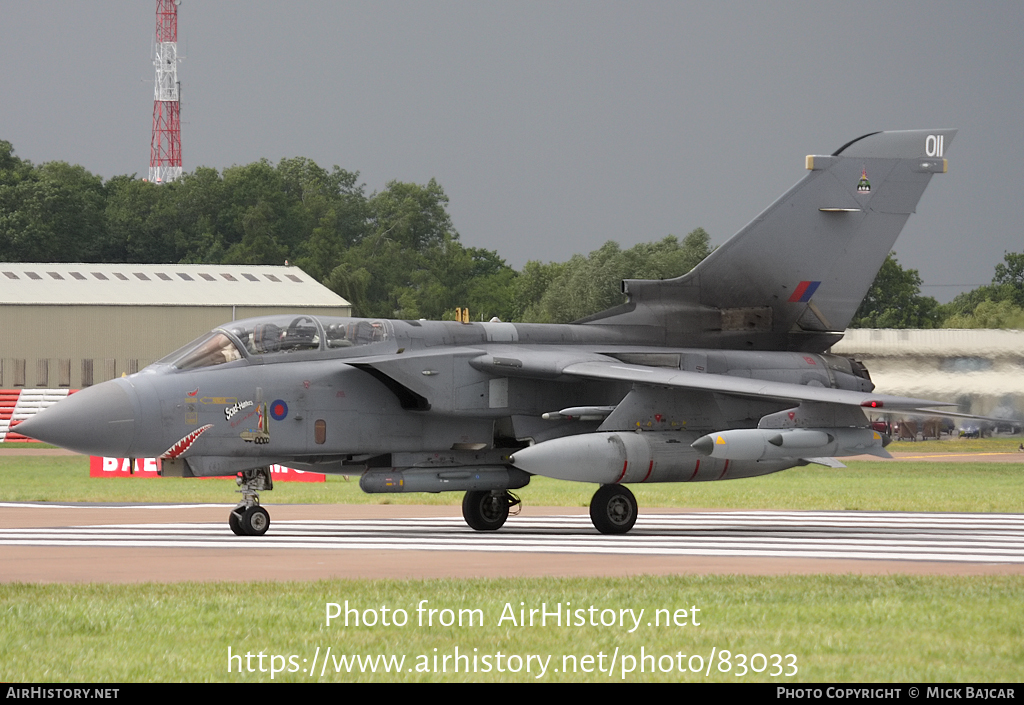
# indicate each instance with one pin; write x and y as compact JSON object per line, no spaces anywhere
{"x":149,"y":467}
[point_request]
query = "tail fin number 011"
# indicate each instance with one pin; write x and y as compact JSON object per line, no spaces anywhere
{"x":933,"y":145}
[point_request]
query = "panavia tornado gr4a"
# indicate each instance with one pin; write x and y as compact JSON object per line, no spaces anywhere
{"x":719,"y":374}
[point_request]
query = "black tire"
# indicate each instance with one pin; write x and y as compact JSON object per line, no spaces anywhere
{"x":255,"y":521}
{"x":613,"y":509}
{"x":484,"y":510}
{"x":235,"y":522}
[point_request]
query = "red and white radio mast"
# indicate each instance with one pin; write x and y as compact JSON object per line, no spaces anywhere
{"x":165,"y":149}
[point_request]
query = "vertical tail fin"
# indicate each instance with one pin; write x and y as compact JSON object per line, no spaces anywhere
{"x":797,"y":273}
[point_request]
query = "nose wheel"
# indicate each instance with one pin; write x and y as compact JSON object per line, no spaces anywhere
{"x":253,"y":521}
{"x":249,"y":518}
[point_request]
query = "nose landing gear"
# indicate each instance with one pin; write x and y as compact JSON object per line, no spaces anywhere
{"x":249,"y":518}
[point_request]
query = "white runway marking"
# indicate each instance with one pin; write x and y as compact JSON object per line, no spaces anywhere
{"x":973,"y":538}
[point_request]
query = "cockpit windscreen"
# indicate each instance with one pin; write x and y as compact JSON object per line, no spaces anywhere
{"x":275,"y":335}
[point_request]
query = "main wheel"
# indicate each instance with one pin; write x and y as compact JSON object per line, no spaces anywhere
{"x":255,"y":521}
{"x":613,"y":509}
{"x":485,"y":510}
{"x":235,"y":522}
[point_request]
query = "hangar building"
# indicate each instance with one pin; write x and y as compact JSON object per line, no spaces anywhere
{"x":981,"y":370}
{"x":68,"y":326}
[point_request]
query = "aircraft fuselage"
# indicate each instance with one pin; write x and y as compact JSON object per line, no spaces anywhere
{"x":334,"y":403}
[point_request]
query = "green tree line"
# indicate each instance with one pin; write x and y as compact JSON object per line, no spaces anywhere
{"x":895,"y":301}
{"x":392,"y":253}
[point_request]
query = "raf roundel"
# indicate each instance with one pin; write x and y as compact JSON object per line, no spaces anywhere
{"x":279,"y":410}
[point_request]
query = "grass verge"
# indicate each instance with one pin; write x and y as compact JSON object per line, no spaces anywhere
{"x":839,"y":629}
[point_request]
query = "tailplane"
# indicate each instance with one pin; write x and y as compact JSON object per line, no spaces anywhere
{"x":794,"y":276}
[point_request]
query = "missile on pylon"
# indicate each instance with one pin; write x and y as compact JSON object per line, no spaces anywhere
{"x":774,"y":444}
{"x":580,"y":413}
{"x":397,"y":480}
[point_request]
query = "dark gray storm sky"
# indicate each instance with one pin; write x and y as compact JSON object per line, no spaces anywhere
{"x":553,"y":126}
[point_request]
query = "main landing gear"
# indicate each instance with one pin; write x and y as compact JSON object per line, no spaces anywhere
{"x":487,"y":510}
{"x":613,"y":509}
{"x":249,"y":518}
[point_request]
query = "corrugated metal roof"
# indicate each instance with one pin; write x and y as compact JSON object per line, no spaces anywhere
{"x":161,"y":285}
{"x":943,"y":342}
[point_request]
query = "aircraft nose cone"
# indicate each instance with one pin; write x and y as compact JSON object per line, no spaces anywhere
{"x":99,"y":420}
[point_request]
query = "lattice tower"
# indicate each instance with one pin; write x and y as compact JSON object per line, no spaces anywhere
{"x":165,"y":149}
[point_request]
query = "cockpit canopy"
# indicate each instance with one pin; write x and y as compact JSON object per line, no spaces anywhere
{"x":277,"y":335}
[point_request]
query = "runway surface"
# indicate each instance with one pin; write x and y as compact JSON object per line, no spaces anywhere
{"x":192,"y":542}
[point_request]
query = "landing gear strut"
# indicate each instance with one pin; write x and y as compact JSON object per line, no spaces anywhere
{"x":487,"y":510}
{"x":613,"y":509}
{"x":249,"y":518}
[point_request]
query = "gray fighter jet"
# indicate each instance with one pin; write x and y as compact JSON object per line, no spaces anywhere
{"x":716,"y":375}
